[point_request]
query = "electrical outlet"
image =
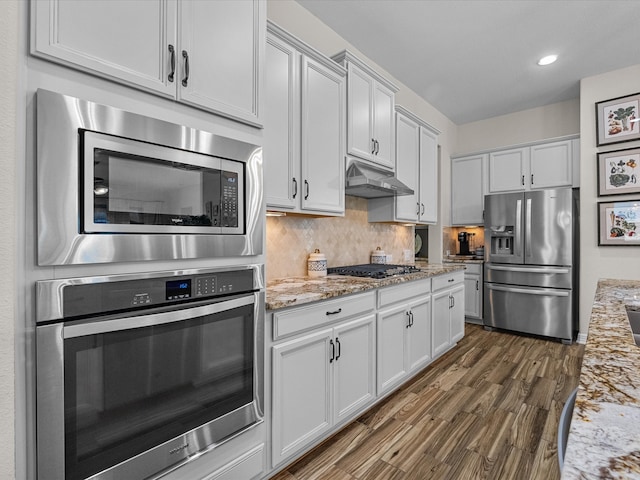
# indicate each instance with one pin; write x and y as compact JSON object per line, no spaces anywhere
{"x":407,"y":255}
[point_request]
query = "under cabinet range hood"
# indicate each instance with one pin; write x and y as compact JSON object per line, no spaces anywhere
{"x":369,"y":182}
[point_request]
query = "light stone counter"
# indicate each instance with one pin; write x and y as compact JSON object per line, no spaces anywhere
{"x":289,"y":292}
{"x":604,"y":440}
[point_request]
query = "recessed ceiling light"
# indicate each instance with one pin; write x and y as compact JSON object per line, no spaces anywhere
{"x":549,"y":59}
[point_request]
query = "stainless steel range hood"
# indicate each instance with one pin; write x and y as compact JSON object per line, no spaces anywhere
{"x":366,"y":181}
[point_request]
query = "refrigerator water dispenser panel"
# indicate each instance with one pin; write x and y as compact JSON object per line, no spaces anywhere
{"x":501,"y":240}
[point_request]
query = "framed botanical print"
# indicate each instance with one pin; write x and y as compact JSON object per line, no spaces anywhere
{"x":617,"y":120}
{"x":619,"y":223}
{"x":619,"y":172}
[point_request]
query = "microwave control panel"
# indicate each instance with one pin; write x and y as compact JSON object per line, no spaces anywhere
{"x":229,"y":199}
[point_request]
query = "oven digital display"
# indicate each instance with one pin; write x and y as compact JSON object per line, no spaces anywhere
{"x":178,"y":289}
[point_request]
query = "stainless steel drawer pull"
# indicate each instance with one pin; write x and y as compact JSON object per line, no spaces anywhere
{"x":295,"y":187}
{"x":185,"y":80}
{"x":451,"y":280}
{"x":333,"y":351}
{"x":335,"y":312}
{"x":172,"y":50}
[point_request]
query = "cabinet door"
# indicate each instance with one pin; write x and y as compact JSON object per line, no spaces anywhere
{"x":467,"y":192}
{"x":82,"y":34}
{"x":419,"y":332}
{"x":282,"y":125}
{"x":551,"y":165}
{"x":360,"y":113}
{"x":302,"y":392}
{"x":457,"y":313}
{"x":354,"y":366}
{"x":508,"y":170}
{"x":441,"y":324}
{"x":428,"y":176}
{"x":392,"y":368}
{"x":322,"y":140}
{"x":472,"y":295}
{"x":221,"y":55}
{"x":383,"y":125}
{"x":407,"y":166}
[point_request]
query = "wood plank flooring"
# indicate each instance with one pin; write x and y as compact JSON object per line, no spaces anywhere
{"x":488,"y":409}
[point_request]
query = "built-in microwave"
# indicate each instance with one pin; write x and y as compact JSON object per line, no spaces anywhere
{"x":115,"y":186}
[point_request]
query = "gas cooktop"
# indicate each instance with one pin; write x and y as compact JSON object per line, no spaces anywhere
{"x":373,"y":270}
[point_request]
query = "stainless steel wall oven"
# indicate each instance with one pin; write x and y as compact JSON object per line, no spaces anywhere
{"x":115,"y":186}
{"x":137,"y":374}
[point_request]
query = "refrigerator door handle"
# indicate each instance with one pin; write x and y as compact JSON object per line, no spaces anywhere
{"x":529,"y":269}
{"x":530,"y":291}
{"x":518,"y":231}
{"x":527,"y":229}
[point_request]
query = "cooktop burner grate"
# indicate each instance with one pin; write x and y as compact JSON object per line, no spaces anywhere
{"x":372,"y":270}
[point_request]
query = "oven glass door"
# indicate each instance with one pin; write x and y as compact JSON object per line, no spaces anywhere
{"x":129,"y":390}
{"x":133,"y":187}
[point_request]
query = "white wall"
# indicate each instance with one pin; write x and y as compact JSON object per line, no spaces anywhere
{"x":300,"y":22}
{"x":601,"y":262}
{"x":8,"y":149}
{"x":555,"y":120}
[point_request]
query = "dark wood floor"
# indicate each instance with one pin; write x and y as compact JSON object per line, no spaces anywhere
{"x":487,"y":409}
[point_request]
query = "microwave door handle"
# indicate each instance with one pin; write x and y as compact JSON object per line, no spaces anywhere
{"x":518,"y":232}
{"x":527,"y":229}
{"x":171,"y":316}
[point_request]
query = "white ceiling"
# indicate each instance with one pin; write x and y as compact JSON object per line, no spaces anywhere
{"x":476,"y":59}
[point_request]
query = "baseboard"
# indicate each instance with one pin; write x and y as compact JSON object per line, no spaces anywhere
{"x":582,"y":338}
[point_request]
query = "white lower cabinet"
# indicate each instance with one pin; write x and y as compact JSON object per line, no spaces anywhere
{"x":320,"y":379}
{"x":404,"y":332}
{"x":448,"y":311}
{"x":473,"y":285}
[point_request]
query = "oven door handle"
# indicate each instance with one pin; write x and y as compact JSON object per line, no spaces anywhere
{"x":171,"y":316}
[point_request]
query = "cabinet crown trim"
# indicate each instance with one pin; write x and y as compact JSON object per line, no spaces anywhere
{"x":517,"y":145}
{"x":403,"y":111}
{"x":344,"y":57}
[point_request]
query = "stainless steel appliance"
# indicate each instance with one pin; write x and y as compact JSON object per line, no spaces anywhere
{"x":114,"y":186}
{"x":373,"y":270}
{"x":531,"y":274}
{"x":140,"y":373}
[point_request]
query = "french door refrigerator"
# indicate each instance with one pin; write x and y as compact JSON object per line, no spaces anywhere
{"x":531,"y":277}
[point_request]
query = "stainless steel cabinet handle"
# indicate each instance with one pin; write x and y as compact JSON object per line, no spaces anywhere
{"x":335,"y":312}
{"x":417,"y":208}
{"x":295,"y":187}
{"x":408,"y":314}
{"x":422,"y":204}
{"x":477,"y":286}
{"x":185,"y":80}
{"x":333,"y":351}
{"x":373,"y":146}
{"x":532,"y":179}
{"x":411,"y":316}
{"x":173,"y":63}
{"x":306,"y":185}
{"x":522,"y":179}
{"x":339,"y":348}
{"x":377,"y":146}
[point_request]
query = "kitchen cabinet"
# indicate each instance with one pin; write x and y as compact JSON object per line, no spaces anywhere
{"x":323,"y":376}
{"x":404,"y":332}
{"x":370,"y":112}
{"x":416,"y":167}
{"x":468,"y":187}
{"x":544,"y":165}
{"x":304,"y":135}
{"x":473,"y":288}
{"x":447,"y":311}
{"x":205,"y":54}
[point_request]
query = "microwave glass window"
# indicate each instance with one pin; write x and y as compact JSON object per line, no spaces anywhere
{"x":135,"y":190}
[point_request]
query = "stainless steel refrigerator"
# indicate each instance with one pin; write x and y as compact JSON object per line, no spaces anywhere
{"x":531,"y":274}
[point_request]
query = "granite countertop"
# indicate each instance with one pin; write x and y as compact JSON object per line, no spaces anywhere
{"x":295,"y":291}
{"x":462,"y":259}
{"x":604,"y":440}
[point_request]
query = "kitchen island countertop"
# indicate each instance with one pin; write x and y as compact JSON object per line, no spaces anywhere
{"x":604,"y":440}
{"x":295,"y":291}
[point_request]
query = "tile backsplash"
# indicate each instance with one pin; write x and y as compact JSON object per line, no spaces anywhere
{"x":346,"y":240}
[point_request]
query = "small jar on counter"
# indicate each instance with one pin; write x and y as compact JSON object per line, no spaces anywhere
{"x":317,"y":264}
{"x":378,"y":256}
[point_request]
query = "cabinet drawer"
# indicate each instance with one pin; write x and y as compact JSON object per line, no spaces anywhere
{"x":473,"y":268}
{"x":399,"y":293}
{"x":316,"y":315}
{"x":447,"y":280}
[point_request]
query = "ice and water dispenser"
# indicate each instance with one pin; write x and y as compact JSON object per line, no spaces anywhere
{"x":501,"y":240}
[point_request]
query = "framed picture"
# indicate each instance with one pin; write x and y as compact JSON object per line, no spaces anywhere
{"x":619,"y":172}
{"x":619,"y":223}
{"x":617,"y":120}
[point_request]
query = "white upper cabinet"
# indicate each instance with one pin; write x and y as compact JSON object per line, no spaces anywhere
{"x":417,"y":167}
{"x":205,"y":54}
{"x":539,"y":166}
{"x":468,"y":189}
{"x":370,"y":112}
{"x":304,"y":139}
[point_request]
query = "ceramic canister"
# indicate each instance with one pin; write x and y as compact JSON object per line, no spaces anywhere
{"x":317,"y":264}
{"x":378,"y":256}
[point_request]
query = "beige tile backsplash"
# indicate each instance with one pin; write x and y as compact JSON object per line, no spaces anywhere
{"x":346,"y":240}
